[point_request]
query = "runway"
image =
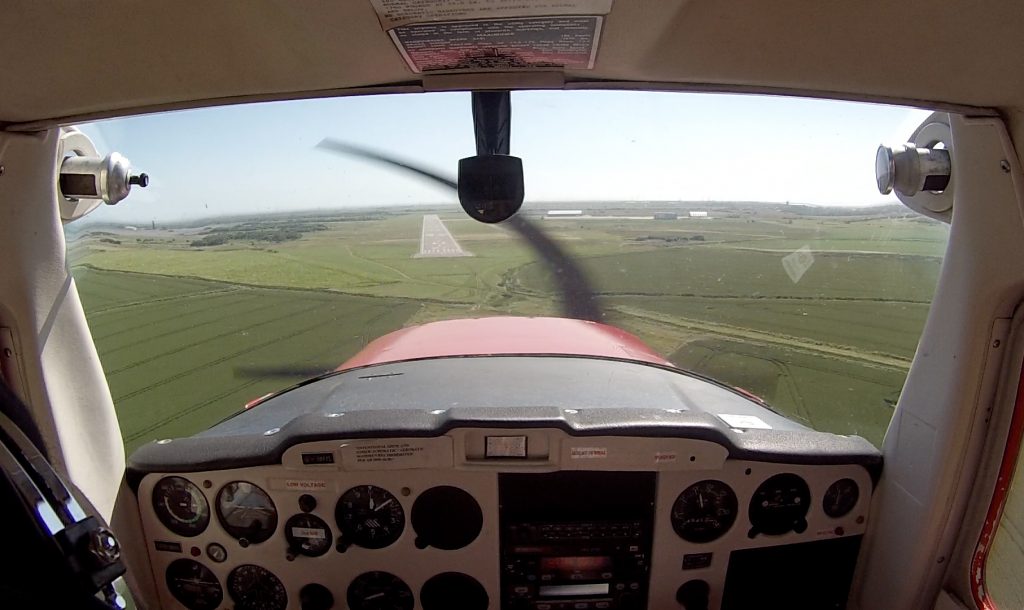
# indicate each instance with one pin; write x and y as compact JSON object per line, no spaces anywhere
{"x":436,"y":241}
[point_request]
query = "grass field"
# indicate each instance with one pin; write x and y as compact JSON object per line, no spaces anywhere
{"x":171,"y":347}
{"x":172,"y":321}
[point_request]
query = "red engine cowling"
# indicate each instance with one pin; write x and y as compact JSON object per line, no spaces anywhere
{"x":505,"y":335}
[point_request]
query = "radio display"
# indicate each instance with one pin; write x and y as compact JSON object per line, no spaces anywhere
{"x":594,"y":567}
{"x":573,"y":590}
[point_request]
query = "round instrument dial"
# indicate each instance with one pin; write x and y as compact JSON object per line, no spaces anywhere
{"x":246,"y":512}
{"x":180,"y":506}
{"x":379,"y":591}
{"x":704,"y":511}
{"x":780,"y":505}
{"x":446,"y":517}
{"x":453,"y":590}
{"x":193,"y":585}
{"x":840,"y":498}
{"x":307,"y":535}
{"x":370,"y":517}
{"x":255,"y":588}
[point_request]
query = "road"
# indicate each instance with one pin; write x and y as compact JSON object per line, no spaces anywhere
{"x":755,"y":336}
{"x":436,"y":241}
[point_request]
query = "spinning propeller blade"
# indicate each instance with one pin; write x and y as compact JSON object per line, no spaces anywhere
{"x":490,"y":189}
{"x":578,"y":299}
{"x":304,"y":372}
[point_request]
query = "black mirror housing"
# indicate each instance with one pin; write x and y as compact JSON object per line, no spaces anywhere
{"x":491,"y":186}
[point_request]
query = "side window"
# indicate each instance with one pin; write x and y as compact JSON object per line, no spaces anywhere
{"x":1002,"y":569}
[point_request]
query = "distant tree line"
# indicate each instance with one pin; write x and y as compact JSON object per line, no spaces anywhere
{"x":669,"y":238}
{"x":256,"y":232}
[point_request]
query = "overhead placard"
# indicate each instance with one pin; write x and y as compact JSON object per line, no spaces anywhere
{"x":394,"y":13}
{"x":487,"y":35}
{"x":397,"y":454}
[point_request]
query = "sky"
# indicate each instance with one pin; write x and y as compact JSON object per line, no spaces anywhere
{"x":576,"y":146}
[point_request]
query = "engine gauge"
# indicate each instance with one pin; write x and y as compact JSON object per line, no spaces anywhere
{"x":180,"y":506}
{"x":307,"y":535}
{"x":370,"y":517}
{"x":840,"y":498}
{"x":246,"y":512}
{"x":255,"y":588}
{"x":780,"y":505}
{"x":704,"y":511}
{"x":194,"y":585}
{"x":379,"y":591}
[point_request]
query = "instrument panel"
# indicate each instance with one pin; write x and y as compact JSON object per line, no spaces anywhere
{"x":482,"y":518}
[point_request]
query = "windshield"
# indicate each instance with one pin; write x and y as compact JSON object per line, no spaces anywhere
{"x":742,"y":237}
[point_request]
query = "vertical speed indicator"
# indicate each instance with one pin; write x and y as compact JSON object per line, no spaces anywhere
{"x":704,"y":511}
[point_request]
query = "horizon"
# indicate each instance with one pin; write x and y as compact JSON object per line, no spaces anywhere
{"x":576,"y":146}
{"x":851,"y":210}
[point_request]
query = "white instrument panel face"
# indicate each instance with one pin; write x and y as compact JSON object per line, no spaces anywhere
{"x":402,"y":471}
{"x":671,"y":552}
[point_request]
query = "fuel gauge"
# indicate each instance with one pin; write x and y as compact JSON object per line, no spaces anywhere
{"x":840,"y":498}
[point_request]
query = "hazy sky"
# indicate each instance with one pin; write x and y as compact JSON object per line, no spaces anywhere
{"x":575,"y":146}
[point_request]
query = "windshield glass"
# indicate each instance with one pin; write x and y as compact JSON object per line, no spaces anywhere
{"x":742,"y":237}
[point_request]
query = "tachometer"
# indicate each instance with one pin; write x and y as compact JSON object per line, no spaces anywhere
{"x":255,"y":588}
{"x":840,"y":498}
{"x":246,"y":512}
{"x":180,"y":506}
{"x":194,"y":585}
{"x":379,"y":591}
{"x":370,"y":517}
{"x":307,"y":535}
{"x":704,"y":511}
{"x":780,"y":505}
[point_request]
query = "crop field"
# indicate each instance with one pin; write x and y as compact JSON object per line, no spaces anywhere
{"x":172,"y":348}
{"x":176,"y":319}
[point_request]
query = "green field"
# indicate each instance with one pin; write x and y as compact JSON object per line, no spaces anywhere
{"x":172,"y":347}
{"x":174,"y":322}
